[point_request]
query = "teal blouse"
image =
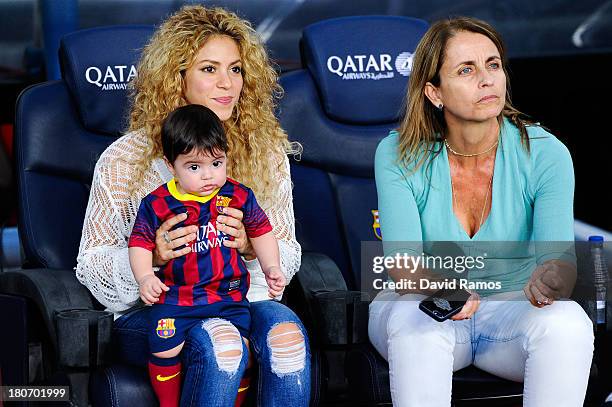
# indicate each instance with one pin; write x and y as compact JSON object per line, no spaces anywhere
{"x":532,"y":206}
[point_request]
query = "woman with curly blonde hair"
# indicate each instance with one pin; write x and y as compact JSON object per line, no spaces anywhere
{"x":213,"y":58}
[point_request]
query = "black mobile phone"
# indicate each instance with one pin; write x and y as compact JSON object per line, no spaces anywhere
{"x":444,"y":303}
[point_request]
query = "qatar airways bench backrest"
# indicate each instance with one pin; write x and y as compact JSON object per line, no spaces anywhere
{"x":348,"y":96}
{"x":62,"y":127}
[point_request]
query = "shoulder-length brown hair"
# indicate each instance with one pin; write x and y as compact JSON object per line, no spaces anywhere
{"x":256,"y":141}
{"x":422,"y":125}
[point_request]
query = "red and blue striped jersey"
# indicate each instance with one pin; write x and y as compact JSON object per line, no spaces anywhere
{"x":211,"y":272}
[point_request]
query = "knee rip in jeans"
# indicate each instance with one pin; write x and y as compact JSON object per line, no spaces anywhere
{"x":287,"y":348}
{"x":227,"y":343}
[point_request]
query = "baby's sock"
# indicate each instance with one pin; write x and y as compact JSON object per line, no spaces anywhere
{"x":245,"y":382}
{"x":165,"y":375}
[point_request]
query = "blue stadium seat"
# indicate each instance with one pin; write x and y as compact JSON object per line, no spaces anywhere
{"x":62,"y":127}
{"x":347,"y":97}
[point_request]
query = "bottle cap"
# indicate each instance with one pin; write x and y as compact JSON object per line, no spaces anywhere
{"x":596,"y":239}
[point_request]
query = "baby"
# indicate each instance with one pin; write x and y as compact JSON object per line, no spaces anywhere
{"x":211,"y":280}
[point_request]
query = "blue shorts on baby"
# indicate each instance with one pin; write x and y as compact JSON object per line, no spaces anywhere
{"x":170,"y":324}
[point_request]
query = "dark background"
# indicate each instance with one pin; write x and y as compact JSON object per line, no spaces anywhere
{"x":571,"y":96}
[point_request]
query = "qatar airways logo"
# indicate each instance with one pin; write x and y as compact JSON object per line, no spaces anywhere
{"x":371,"y":66}
{"x":208,"y":238}
{"x":115,"y":77}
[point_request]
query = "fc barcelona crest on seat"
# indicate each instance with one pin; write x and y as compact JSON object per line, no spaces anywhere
{"x":376,"y":224}
{"x":165,"y":328}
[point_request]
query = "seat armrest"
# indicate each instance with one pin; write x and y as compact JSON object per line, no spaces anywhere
{"x":335,"y":315}
{"x":343,"y":317}
{"x":319,"y":273}
{"x":51,"y":290}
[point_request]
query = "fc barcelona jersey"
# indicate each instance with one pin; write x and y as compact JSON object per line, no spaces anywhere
{"x":211,"y":272}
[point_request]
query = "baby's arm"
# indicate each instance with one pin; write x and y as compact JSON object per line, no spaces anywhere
{"x":150,"y":287}
{"x":266,"y":249}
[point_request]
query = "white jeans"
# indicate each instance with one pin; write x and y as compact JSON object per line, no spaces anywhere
{"x":549,"y":349}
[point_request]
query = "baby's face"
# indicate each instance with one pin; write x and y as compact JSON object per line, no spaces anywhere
{"x":200,"y":173}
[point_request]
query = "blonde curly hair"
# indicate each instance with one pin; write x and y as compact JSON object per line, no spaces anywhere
{"x":256,"y":141}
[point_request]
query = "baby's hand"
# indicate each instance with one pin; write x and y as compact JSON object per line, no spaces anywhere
{"x":151,"y":288}
{"x":276,"y":281}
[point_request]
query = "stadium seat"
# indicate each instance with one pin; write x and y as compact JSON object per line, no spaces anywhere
{"x":347,"y":97}
{"x":61,"y":129}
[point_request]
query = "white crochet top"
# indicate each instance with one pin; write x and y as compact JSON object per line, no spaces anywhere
{"x":102,"y":263}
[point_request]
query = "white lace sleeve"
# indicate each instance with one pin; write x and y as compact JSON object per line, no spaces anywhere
{"x":283,"y":223}
{"x":280,"y":213}
{"x":102,"y":262}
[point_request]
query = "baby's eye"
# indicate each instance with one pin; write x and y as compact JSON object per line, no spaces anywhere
{"x":217,"y":163}
{"x":194,"y":167}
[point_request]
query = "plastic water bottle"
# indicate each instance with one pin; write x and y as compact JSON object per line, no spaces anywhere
{"x":600,"y":277}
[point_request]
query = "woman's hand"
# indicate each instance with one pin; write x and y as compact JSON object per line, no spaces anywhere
{"x":231,"y":224}
{"x":150,"y":288}
{"x":549,"y":282}
{"x":166,"y":241}
{"x":469,"y":308}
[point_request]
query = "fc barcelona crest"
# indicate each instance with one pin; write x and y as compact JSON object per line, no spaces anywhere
{"x":165,"y":328}
{"x":223,"y":201}
{"x":376,"y":224}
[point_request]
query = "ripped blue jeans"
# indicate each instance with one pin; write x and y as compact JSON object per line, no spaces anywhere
{"x":214,"y":357}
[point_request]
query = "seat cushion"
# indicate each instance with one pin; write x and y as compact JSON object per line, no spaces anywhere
{"x":120,"y":386}
{"x":368,"y":377}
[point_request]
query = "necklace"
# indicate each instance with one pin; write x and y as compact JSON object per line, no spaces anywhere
{"x":470,"y":155}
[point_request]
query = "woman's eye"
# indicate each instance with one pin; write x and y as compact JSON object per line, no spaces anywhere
{"x":217,"y":164}
{"x":208,"y":68}
{"x":194,"y":167}
{"x":236,"y":69}
{"x":495,"y":65}
{"x":465,"y":70}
